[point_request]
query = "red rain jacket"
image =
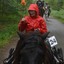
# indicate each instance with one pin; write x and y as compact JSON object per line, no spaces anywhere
{"x":33,"y":23}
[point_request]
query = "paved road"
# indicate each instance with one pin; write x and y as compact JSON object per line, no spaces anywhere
{"x":56,"y":28}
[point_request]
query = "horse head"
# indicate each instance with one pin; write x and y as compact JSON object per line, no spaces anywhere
{"x":33,"y":50}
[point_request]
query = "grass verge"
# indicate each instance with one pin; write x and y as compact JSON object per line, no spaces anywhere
{"x":58,"y":14}
{"x":8,"y":28}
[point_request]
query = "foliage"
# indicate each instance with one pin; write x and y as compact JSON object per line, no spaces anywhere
{"x":58,"y":14}
{"x":10,"y":13}
{"x":56,"y":4}
{"x":12,"y":6}
{"x":8,"y":28}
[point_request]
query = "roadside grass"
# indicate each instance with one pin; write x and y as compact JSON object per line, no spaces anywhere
{"x":8,"y":28}
{"x":58,"y":14}
{"x":9,"y":21}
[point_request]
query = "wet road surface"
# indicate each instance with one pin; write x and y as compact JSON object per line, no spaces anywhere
{"x":57,"y":29}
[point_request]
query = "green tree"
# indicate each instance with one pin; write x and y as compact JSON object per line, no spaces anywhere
{"x":60,"y":4}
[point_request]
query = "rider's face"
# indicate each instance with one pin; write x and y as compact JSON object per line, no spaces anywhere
{"x":32,"y":13}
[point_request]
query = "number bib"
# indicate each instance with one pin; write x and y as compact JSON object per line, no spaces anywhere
{"x":52,"y":40}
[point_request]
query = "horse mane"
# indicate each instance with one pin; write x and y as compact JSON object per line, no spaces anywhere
{"x":32,"y":36}
{"x":24,"y":35}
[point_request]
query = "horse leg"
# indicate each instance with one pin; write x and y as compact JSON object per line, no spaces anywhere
{"x":17,"y":52}
{"x":47,"y":58}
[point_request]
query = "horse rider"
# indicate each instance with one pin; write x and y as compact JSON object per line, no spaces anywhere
{"x":33,"y":21}
{"x":41,"y":7}
{"x":47,"y":9}
{"x":30,"y":23}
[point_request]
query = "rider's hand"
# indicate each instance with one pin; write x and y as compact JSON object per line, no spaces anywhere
{"x":23,"y":20}
{"x":36,"y":30}
{"x":43,"y":8}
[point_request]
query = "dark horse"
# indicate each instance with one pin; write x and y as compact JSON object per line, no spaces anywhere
{"x":31,"y":49}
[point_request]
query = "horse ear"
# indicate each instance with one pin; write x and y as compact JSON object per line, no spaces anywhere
{"x":45,"y":35}
{"x":21,"y":35}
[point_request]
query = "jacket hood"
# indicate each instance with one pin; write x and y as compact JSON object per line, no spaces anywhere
{"x":34,"y":7}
